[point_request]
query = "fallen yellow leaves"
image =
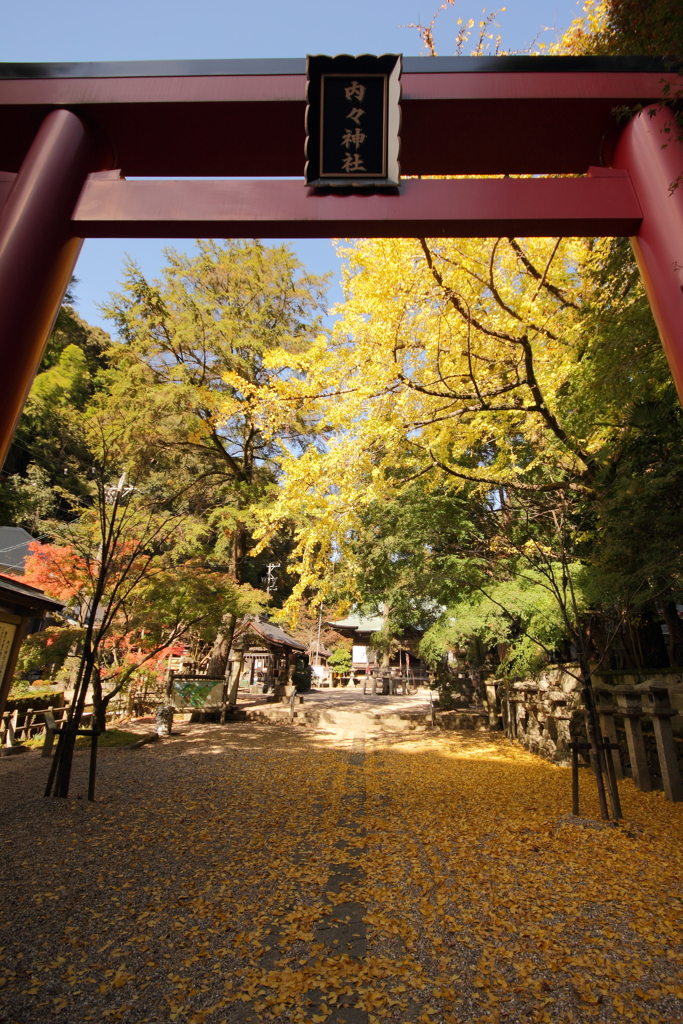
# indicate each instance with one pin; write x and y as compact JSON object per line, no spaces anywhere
{"x":480,"y":899}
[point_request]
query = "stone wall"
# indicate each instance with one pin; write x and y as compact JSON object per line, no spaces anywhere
{"x":641,"y":712}
{"x":542,"y":714}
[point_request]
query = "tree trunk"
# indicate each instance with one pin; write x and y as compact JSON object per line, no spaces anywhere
{"x":386,"y":656}
{"x":675,"y":627}
{"x":596,"y":640}
{"x":218,"y":659}
{"x":239,"y":551}
{"x":99,"y":704}
{"x":226,"y":670}
{"x":67,"y":739}
{"x":594,"y":736}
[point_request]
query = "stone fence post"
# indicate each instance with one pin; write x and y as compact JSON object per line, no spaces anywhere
{"x":492,"y":703}
{"x":513,"y":715}
{"x":661,"y":712}
{"x":631,"y":707}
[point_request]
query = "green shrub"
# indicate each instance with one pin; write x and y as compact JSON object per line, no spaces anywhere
{"x":301,"y":677}
{"x":110,"y":738}
{"x":340,"y":660}
{"x":50,"y":646}
{"x":35,"y":698}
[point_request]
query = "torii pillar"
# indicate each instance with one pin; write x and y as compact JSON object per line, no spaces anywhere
{"x":38,"y":252}
{"x":650,"y":151}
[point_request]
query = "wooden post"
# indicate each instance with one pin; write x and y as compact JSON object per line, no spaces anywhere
{"x":93,"y":763}
{"x":659,"y":708}
{"x":631,"y":707}
{"x":574,"y":747}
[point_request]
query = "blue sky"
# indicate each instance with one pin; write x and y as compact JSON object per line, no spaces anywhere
{"x":90,"y":30}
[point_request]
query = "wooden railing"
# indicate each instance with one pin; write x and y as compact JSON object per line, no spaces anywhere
{"x":17,"y":727}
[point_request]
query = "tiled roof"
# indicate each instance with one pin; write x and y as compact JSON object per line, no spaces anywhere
{"x":274,"y":634}
{"x":361,"y":623}
{"x":14,"y":542}
{"x":23,"y":590}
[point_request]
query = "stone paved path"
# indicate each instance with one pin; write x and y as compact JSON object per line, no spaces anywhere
{"x":258,"y":873}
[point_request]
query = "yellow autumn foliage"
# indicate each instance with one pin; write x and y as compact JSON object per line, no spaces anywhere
{"x":474,"y":894}
{"x":448,"y":360}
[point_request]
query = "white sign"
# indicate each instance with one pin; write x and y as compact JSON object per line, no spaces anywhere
{"x":359,"y":655}
{"x":7,"y":631}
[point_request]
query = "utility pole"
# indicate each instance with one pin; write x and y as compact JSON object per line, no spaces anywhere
{"x":270,"y":579}
{"x":320,"y":623}
{"x":114,"y":494}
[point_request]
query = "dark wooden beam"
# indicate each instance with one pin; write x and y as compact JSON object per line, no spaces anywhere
{"x":540,"y":115}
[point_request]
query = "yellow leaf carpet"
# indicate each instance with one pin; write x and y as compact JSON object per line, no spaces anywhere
{"x":273,"y":873}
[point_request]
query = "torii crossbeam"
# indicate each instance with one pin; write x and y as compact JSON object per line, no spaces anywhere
{"x":71,"y":134}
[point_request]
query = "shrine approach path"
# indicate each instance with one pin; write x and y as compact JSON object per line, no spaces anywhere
{"x":275,"y":873}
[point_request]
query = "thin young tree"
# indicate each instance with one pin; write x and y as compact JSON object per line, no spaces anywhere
{"x":133,"y":545}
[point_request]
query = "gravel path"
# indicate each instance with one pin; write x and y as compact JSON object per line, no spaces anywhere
{"x":274,"y":873}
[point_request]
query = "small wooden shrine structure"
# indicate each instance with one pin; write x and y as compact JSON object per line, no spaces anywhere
{"x":22,"y":609}
{"x":264,"y":655}
{"x":360,"y":628}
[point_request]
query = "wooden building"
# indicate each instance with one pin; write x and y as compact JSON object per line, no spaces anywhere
{"x":22,"y":610}
{"x":264,"y":655}
{"x":359,"y":629}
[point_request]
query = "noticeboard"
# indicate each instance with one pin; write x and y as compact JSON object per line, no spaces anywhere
{"x":7,"y":631}
{"x":359,"y":655}
{"x":353,"y":120}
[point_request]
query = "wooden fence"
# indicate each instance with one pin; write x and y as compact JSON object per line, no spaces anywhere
{"x":17,"y":727}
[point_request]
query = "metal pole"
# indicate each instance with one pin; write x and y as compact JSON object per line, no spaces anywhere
{"x":38,"y":252}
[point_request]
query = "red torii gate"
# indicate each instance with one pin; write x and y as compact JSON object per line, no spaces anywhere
{"x":64,"y":129}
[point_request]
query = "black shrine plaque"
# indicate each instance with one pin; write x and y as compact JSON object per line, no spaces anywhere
{"x":353,"y":121}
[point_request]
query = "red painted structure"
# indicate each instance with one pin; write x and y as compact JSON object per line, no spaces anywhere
{"x":605,"y":204}
{"x":38,"y":252}
{"x":64,"y":128}
{"x":658,"y":243}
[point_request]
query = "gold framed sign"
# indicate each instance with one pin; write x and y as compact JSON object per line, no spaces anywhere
{"x":353,"y":120}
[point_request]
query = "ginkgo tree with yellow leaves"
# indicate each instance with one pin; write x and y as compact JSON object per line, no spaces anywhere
{"x":448,"y":362}
{"x":504,"y":374}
